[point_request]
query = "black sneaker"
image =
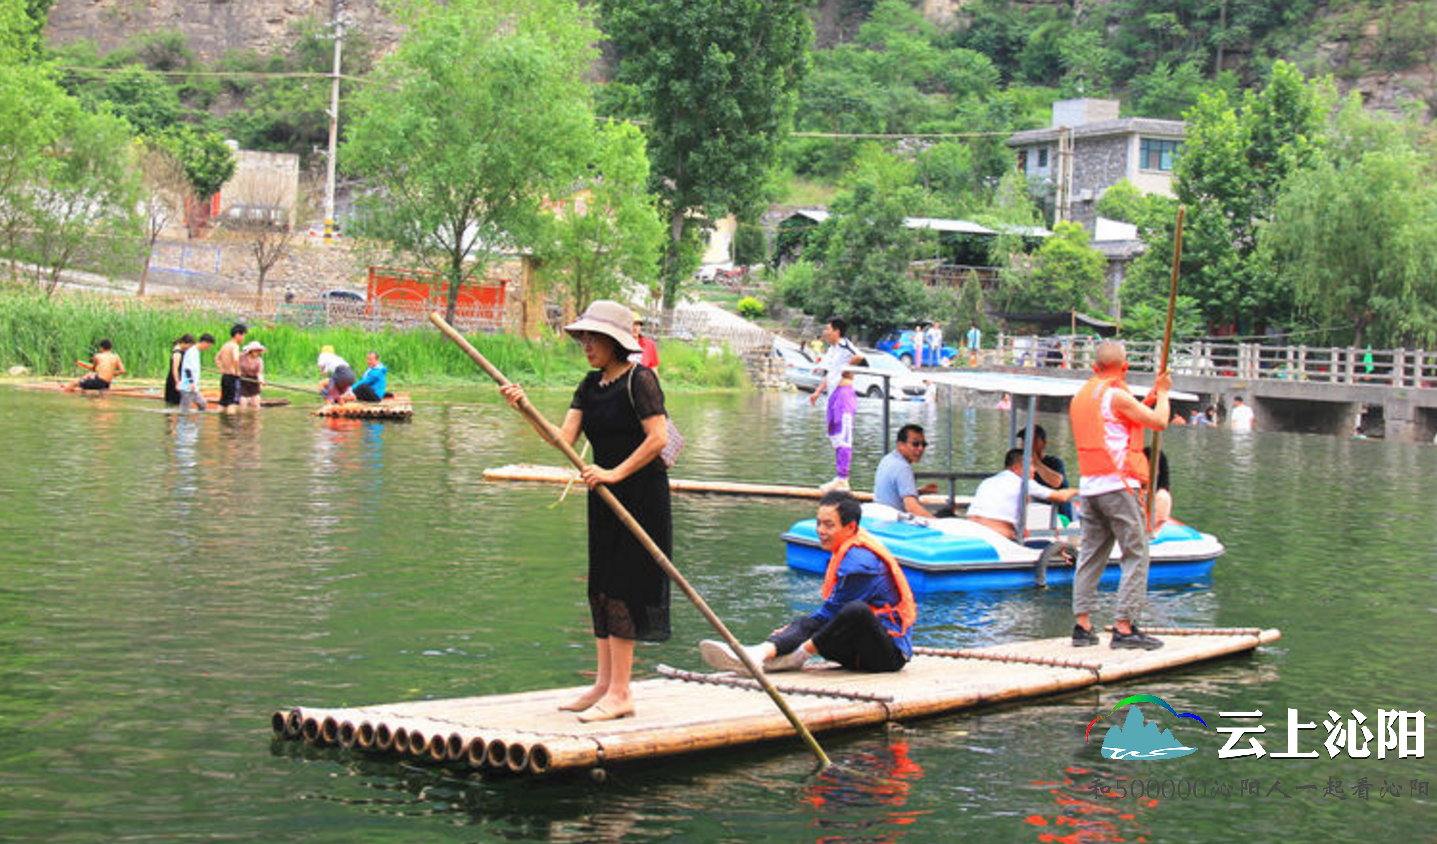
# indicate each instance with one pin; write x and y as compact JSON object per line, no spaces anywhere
{"x":1135,"y":640}
{"x":1083,"y":637}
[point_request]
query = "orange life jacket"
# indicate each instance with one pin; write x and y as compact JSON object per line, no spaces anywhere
{"x":907,"y":609}
{"x":1090,"y":434}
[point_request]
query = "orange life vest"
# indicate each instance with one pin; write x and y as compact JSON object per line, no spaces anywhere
{"x":1090,"y":435}
{"x":907,"y":609}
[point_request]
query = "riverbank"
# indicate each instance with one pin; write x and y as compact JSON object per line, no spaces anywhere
{"x":47,"y":335}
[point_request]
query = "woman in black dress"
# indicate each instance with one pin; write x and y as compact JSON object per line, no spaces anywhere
{"x":172,"y":372}
{"x":619,"y":407}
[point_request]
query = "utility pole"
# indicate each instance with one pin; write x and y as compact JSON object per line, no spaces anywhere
{"x":338,"y":28}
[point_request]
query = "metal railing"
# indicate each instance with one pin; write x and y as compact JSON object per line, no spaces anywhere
{"x":1400,"y":368}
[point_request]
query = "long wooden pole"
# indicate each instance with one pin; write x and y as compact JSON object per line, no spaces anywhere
{"x":551,"y":435}
{"x":1163,"y":366}
{"x":310,"y":390}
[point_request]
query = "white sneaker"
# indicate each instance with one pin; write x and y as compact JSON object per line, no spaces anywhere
{"x":835,"y":485}
{"x":720,"y":657}
{"x":792,"y":661}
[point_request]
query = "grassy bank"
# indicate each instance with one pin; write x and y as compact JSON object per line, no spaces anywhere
{"x":49,"y":335}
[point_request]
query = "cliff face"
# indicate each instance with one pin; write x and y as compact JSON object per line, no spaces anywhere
{"x":210,"y":27}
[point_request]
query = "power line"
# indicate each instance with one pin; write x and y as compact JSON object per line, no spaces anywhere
{"x":251,"y":74}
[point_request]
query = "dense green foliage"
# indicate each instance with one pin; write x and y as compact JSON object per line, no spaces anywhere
{"x":716,"y":81}
{"x":67,"y":191}
{"x":1358,"y":234}
{"x":49,"y":335}
{"x":590,"y":252}
{"x":476,"y":119}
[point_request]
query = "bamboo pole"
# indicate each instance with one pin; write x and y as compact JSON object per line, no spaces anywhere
{"x":550,"y":434}
{"x":308,"y":390}
{"x":1163,"y":366}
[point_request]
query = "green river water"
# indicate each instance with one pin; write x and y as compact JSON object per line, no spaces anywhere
{"x":167,"y":583}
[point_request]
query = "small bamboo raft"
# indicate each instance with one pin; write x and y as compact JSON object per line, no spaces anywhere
{"x":687,"y":712}
{"x":397,"y":407}
{"x":538,"y":473}
{"x":211,"y":396}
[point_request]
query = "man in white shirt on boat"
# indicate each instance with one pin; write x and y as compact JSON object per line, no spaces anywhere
{"x":998,"y":499}
{"x":1241,"y":416}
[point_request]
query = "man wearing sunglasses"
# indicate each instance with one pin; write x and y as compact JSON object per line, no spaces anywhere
{"x":894,"y":483}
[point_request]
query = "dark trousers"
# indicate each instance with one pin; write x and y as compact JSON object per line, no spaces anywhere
{"x":855,"y":639}
{"x":366,"y":393}
{"x":229,"y":389}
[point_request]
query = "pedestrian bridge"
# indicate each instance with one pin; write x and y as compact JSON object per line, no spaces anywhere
{"x":1307,"y":389}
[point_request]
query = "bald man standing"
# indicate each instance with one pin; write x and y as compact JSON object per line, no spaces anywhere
{"x":1108,"y":427}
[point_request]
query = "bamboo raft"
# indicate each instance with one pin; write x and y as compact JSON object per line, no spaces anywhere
{"x":398,"y":407}
{"x":211,"y":396}
{"x":538,"y":473}
{"x":684,"y":712}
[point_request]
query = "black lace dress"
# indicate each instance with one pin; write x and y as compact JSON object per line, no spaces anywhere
{"x":628,"y":592}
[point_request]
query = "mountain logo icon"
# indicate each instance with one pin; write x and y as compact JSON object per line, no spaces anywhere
{"x":1140,"y":739}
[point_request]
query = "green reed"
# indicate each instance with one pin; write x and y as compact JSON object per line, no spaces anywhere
{"x":47,"y":335}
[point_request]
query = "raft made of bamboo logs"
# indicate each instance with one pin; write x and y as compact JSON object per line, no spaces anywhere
{"x":683,"y":712}
{"x":537,"y":473}
{"x":211,"y":396}
{"x":397,"y":407}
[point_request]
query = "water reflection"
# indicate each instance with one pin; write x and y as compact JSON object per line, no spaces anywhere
{"x":266,"y":560}
{"x":845,"y":795}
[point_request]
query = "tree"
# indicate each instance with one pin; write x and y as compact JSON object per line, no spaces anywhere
{"x":1234,"y":162}
{"x":260,"y":212}
{"x":477,"y":117}
{"x":614,"y":235}
{"x":84,"y":199}
{"x":66,"y":187}
{"x":163,"y":190}
{"x":1067,"y":276}
{"x":867,"y":249}
{"x":719,"y":78}
{"x":1359,"y":240}
{"x":208,"y":163}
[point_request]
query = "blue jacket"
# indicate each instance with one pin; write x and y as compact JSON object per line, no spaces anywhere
{"x":864,"y":577}
{"x":376,"y":378}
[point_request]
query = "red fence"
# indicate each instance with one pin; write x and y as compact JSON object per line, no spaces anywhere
{"x":415,"y":293}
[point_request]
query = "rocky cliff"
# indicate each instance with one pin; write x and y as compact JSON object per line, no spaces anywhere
{"x":211,"y":27}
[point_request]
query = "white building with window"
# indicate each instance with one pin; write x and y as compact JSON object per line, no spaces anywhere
{"x":1088,"y":149}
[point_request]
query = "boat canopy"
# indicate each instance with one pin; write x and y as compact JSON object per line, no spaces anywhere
{"x":1028,"y":385}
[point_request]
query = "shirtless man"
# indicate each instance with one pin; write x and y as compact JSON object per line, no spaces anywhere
{"x":106,"y":366}
{"x":227,"y":361}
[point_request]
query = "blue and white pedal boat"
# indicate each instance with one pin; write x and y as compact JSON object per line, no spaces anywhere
{"x":956,"y":555}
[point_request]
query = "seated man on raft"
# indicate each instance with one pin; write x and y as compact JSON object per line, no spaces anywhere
{"x":996,"y":501}
{"x":868,"y":609}
{"x":106,"y":365}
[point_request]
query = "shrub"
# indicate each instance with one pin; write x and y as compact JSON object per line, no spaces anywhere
{"x":750,"y":308}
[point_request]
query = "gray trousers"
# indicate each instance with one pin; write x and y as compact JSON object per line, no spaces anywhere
{"x":1112,"y":516}
{"x":191,"y":397}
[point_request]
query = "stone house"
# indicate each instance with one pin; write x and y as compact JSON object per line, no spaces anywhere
{"x":1088,"y":149}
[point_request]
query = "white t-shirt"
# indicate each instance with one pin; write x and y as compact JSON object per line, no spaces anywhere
{"x":935,"y":338}
{"x":835,"y":359}
{"x":329,"y":361}
{"x":998,"y":496}
{"x":1115,"y":439}
{"x":1241,"y":418}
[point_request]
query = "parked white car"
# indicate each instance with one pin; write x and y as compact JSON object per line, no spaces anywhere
{"x":904,"y":383}
{"x":798,"y":366}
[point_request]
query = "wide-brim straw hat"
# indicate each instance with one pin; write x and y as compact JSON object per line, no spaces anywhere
{"x":253,"y":346}
{"x":609,"y":318}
